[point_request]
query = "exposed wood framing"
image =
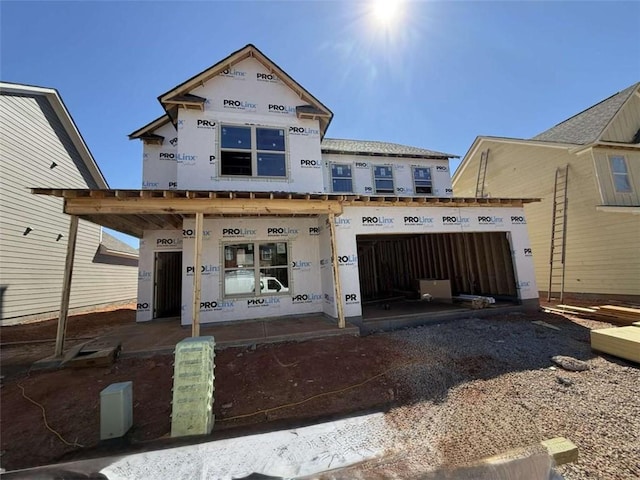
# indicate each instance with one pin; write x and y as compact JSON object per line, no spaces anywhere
{"x":208,"y":206}
{"x":475,"y":263}
{"x":336,"y":273}
{"x":197,"y":276}
{"x":66,"y":286}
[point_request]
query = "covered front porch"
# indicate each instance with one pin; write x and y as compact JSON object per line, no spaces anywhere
{"x":137,"y":211}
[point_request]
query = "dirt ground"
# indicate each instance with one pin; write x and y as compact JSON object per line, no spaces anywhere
{"x":246,"y":380}
{"x":448,"y":385}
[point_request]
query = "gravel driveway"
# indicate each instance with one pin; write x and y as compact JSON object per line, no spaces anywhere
{"x":480,"y":387}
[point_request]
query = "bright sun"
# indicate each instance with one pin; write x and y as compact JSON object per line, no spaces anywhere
{"x":386,"y":12}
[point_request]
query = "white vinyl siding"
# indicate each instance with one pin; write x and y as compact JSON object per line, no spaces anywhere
{"x":32,"y":266}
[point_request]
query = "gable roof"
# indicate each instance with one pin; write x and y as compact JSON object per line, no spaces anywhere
{"x":175,"y":96}
{"x":589,"y":125}
{"x":58,"y":106}
{"x":374,"y":148}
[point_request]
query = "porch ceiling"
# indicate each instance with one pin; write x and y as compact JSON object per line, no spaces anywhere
{"x":134,"y":211}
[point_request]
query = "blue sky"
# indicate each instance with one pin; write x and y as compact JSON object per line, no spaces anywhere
{"x":449,"y":71}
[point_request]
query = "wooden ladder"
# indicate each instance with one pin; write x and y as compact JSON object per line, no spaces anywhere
{"x":482,"y":173}
{"x":558,"y":236}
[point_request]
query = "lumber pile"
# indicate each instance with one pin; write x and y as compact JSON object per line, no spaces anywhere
{"x":623,"y":342}
{"x":606,"y":313}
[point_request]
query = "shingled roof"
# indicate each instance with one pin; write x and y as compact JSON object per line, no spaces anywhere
{"x":587,"y":126}
{"x":373,"y":148}
{"x":113,"y":244}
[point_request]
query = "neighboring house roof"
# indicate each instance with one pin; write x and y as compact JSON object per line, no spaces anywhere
{"x":589,"y":125}
{"x":170,"y":99}
{"x":113,"y":246}
{"x":54,"y":99}
{"x":374,"y":148}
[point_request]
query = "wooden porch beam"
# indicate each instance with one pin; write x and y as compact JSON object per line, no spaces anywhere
{"x":66,"y":286}
{"x":207,"y":206}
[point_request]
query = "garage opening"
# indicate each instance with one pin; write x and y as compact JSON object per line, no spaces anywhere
{"x":168,"y":284}
{"x":391,"y":267}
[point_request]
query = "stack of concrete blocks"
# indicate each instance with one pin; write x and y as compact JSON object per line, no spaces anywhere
{"x":193,"y":375}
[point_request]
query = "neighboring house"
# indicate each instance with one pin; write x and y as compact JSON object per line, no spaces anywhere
{"x":292,"y":222}
{"x":596,"y":154}
{"x":40,"y":145}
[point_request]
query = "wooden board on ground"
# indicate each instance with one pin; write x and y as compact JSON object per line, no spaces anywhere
{"x":98,"y":353}
{"x":624,"y":310}
{"x":603,"y":313}
{"x":623,"y":342}
{"x":578,"y":309}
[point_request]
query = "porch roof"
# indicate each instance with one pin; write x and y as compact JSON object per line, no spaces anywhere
{"x":134,"y":211}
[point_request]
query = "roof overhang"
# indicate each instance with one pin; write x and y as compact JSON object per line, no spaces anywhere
{"x":147,"y":132}
{"x":408,"y":156}
{"x":602,"y":144}
{"x":134,"y":211}
{"x":310,"y":106}
{"x":104,"y":250}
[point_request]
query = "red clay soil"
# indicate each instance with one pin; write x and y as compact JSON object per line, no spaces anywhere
{"x":86,"y":325}
{"x":246,"y":381}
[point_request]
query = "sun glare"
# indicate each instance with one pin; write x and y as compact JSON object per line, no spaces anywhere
{"x":386,"y":12}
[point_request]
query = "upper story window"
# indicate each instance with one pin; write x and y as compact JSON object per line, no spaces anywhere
{"x":252,"y":151}
{"x":383,"y":178}
{"x":341,"y":179}
{"x":620,"y":174}
{"x":422,"y":180}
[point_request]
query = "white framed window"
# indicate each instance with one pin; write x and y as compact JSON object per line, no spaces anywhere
{"x":383,"y":179}
{"x":253,"y":269}
{"x":422,"y":182}
{"x":253,"y":151}
{"x":341,"y":178}
{"x":620,"y":174}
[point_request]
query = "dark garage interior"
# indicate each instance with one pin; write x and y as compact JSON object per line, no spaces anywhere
{"x":478,"y":263}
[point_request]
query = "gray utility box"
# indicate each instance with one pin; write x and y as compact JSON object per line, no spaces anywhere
{"x":440,"y":290}
{"x":116,"y":410}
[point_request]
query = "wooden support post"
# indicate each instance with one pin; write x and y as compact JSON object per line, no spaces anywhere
{"x":197,"y":276}
{"x":336,"y":274}
{"x":66,"y":286}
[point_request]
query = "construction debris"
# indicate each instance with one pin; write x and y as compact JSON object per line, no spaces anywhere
{"x":97,"y":353}
{"x":562,"y":450}
{"x":569,"y":363}
{"x":546,"y":325}
{"x":605,"y":313}
{"x":477,"y":301}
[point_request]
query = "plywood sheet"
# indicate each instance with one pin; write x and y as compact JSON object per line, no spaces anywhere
{"x":623,"y":342}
